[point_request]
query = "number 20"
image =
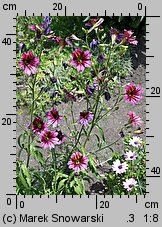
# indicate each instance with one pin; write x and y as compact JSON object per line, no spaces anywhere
{"x":57,"y":6}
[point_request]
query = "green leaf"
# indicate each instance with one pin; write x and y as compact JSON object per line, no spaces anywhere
{"x":25,"y":176}
{"x":98,"y":141}
{"x":83,"y":151}
{"x":61,"y":175}
{"x":61,"y":184}
{"x":41,"y":180}
{"x":101,"y":132}
{"x":19,"y":141}
{"x":79,"y":187}
{"x":39,"y":157}
{"x":120,"y":18}
{"x":23,"y":143}
{"x":92,"y":165}
{"x":86,"y":19}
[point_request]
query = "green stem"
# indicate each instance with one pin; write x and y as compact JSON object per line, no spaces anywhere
{"x":106,"y":146}
{"x":31,"y":119}
{"x":72,"y":115}
{"x":80,"y":133}
{"x":113,"y":107}
{"x":92,"y":124}
{"x":54,"y":159}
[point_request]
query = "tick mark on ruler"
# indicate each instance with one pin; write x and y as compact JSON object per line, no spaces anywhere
{"x":152,"y":96}
{"x":65,"y":10}
{"x":96,"y":202}
{"x":11,"y":34}
{"x":152,"y":16}
{"x":10,"y":114}
{"x":136,"y":199}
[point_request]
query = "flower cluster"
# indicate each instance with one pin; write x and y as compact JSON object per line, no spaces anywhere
{"x":126,"y":37}
{"x":49,"y":138}
{"x":125,"y":166}
{"x":43,"y":29}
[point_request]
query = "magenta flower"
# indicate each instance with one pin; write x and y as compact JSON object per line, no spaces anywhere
{"x":60,"y":41}
{"x":69,"y":95}
{"x":48,"y":139}
{"x":38,"y":29}
{"x":53,"y":117}
{"x":85,"y":117}
{"x":95,"y":22}
{"x":134,"y":119}
{"x":129,"y":184}
{"x":38,"y":125}
{"x":61,"y":137}
{"x":78,"y":162}
{"x":133,"y":93}
{"x":81,"y":59}
{"x":130,"y":156}
{"x":119,"y":167}
{"x":114,"y":35}
{"x":128,"y":34}
{"x":29,"y":63}
{"x":90,"y":90}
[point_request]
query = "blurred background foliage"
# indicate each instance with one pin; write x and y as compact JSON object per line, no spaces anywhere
{"x":72,"y":24}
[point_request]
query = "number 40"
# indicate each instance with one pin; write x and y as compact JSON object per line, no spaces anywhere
{"x":6,"y":41}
